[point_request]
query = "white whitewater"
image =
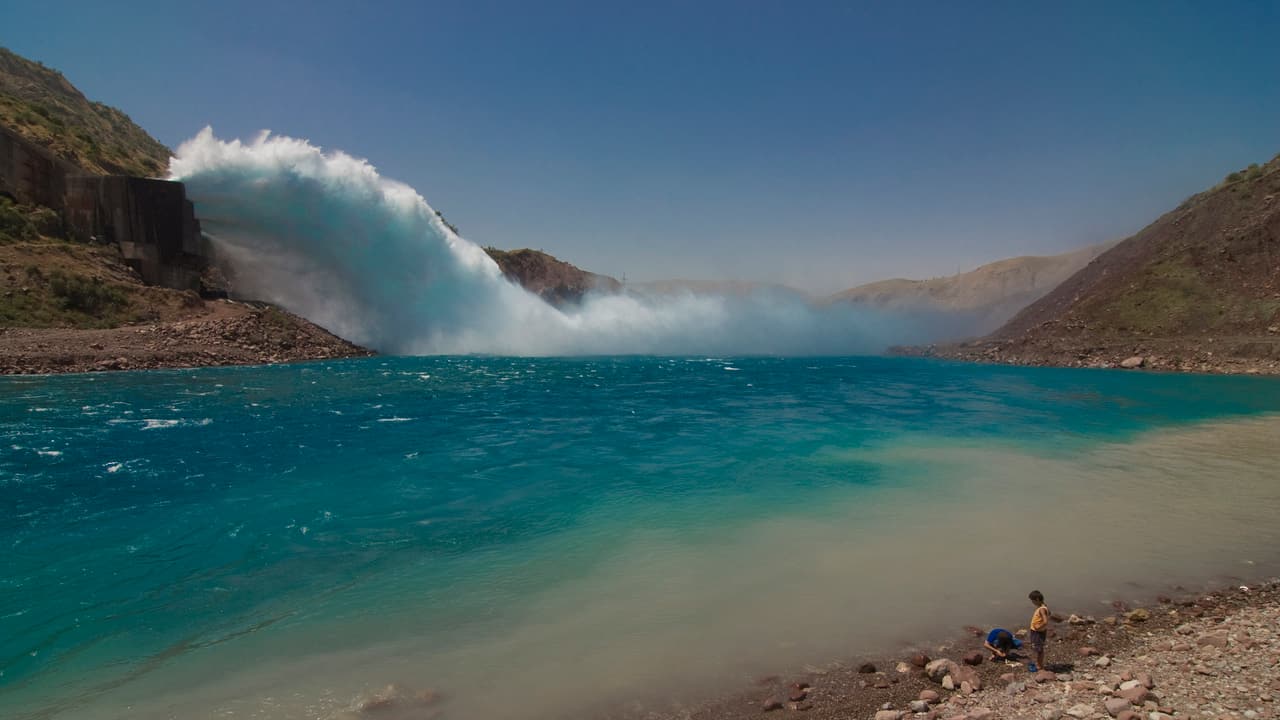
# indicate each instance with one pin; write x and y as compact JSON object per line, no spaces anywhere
{"x":325,"y":236}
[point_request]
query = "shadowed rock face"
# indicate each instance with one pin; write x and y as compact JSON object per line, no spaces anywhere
{"x":552,"y":279}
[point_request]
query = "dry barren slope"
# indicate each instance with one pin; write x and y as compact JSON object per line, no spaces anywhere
{"x":1198,"y":289}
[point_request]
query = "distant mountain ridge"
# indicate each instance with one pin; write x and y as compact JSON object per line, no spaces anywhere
{"x":985,"y":297}
{"x":1198,"y":289}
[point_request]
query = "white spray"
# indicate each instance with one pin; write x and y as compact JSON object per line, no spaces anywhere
{"x":323,"y":235}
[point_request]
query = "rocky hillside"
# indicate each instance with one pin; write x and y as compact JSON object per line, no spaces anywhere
{"x":1198,"y":289}
{"x":69,"y":306}
{"x":43,"y":107}
{"x":552,"y":279}
{"x":986,"y":297}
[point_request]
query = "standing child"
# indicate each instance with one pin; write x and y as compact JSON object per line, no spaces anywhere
{"x":1039,"y":628}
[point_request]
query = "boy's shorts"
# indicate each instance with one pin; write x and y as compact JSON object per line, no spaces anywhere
{"x":1037,"y":640}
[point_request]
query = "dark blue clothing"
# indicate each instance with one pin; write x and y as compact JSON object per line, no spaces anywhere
{"x":991,"y":637}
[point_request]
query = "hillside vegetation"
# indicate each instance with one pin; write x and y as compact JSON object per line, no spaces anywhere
{"x":43,"y":107}
{"x":1199,"y":288}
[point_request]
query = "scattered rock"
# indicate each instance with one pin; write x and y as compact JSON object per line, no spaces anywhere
{"x":920,"y":660}
{"x":1080,"y":711}
{"x":1115,"y":706}
{"x":1089,"y":651}
{"x":930,"y":696}
{"x":1102,"y":662}
{"x":938,"y":669}
{"x":1138,"y":615}
{"x":888,"y":715}
{"x":1215,"y":639}
{"x":973,"y":658}
{"x":770,"y":704}
{"x":1133,"y":362}
{"x":867,"y":668}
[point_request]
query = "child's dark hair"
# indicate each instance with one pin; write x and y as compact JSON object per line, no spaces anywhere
{"x":1004,"y":640}
{"x":1037,"y":597}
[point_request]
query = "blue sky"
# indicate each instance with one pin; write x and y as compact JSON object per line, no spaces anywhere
{"x":818,"y":144}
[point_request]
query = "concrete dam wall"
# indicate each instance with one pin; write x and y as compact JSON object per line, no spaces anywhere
{"x":151,"y":221}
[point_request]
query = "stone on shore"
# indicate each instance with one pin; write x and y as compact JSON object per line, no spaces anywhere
{"x":889,"y":715}
{"x":973,"y":658}
{"x":940,"y":668}
{"x":1115,"y":706}
{"x":1133,"y":362}
{"x":930,"y":696}
{"x":867,"y":668}
{"x":1138,"y":615}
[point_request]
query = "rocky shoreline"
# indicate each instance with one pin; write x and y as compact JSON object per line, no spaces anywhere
{"x":1227,"y":356}
{"x":223,"y":333}
{"x":1191,"y":655}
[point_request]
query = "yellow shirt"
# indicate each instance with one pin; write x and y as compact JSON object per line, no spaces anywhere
{"x":1040,"y":618}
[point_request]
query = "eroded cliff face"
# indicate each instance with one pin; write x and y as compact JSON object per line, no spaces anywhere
{"x":151,"y":221}
{"x":552,"y":279}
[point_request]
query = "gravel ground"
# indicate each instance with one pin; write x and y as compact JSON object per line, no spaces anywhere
{"x":1215,"y":655}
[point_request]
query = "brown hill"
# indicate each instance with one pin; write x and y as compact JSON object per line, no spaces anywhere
{"x":986,"y":297}
{"x":43,"y":107}
{"x":1198,"y":289}
{"x":554,"y":280}
{"x":68,"y":306}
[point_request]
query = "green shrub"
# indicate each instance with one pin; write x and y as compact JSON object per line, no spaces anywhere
{"x":90,"y":296}
{"x":15,"y":224}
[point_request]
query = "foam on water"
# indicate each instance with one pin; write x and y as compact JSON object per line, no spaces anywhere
{"x":325,"y":236}
{"x":552,"y":536}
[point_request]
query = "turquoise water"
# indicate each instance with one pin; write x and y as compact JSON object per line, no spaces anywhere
{"x":277,"y":542}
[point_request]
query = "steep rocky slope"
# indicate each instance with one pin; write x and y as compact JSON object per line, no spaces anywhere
{"x":552,"y":279}
{"x":1198,"y":289}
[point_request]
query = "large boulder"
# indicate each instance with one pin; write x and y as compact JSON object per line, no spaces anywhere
{"x":1115,"y":706}
{"x":940,"y":668}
